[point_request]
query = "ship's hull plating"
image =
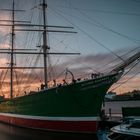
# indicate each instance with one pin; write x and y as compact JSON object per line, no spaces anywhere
{"x":64,"y":124}
{"x":72,"y":108}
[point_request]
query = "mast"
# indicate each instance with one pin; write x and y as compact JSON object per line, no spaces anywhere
{"x":45,"y":47}
{"x":12,"y":49}
{"x":44,"y":28}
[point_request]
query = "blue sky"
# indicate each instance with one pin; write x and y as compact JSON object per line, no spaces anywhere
{"x":115,"y":24}
{"x":92,"y":16}
{"x":105,"y":29}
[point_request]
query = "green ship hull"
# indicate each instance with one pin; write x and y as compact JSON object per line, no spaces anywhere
{"x":78,"y":104}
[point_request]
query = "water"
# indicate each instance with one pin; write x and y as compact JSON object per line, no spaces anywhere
{"x":8,"y":132}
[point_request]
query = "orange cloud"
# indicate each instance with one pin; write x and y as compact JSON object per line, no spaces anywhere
{"x":124,"y":85}
{"x":3,"y":62}
{"x":4,"y":29}
{"x":5,"y":46}
{"x":30,"y":81}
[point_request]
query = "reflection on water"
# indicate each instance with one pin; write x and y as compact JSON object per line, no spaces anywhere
{"x":8,"y":132}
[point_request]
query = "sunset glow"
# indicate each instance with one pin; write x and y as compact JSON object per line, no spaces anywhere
{"x":103,"y":37}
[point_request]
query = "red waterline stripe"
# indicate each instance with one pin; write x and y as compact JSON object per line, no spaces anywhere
{"x":73,"y":126}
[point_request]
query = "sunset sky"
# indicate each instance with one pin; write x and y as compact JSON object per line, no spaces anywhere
{"x":106,"y":30}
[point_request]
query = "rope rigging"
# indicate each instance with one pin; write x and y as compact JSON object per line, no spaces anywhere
{"x":128,"y":78}
{"x":30,"y":60}
{"x":102,"y":11}
{"x":59,"y":12}
{"x":87,"y":34}
{"x":31,"y":76}
{"x":114,"y":60}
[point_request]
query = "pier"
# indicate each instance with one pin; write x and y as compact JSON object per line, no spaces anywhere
{"x":110,"y":120}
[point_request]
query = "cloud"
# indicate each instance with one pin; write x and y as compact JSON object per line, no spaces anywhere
{"x":81,"y":67}
{"x":4,"y":29}
{"x":5,"y":46}
{"x":84,"y":66}
{"x":3,"y":62}
{"x":96,"y":63}
{"x":126,"y":84}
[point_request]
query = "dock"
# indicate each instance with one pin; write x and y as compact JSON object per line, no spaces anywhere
{"x":110,"y":120}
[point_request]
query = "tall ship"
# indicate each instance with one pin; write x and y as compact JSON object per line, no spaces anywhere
{"x":73,"y":106}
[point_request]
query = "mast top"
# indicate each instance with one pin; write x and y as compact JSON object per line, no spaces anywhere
{"x":44,"y":4}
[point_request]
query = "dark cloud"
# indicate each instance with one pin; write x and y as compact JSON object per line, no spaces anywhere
{"x":95,"y":63}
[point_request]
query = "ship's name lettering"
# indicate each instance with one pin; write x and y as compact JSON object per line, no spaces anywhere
{"x":95,"y":81}
{"x":89,"y":83}
{"x":97,"y":85}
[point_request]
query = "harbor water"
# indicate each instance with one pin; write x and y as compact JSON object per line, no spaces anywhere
{"x":8,"y":132}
